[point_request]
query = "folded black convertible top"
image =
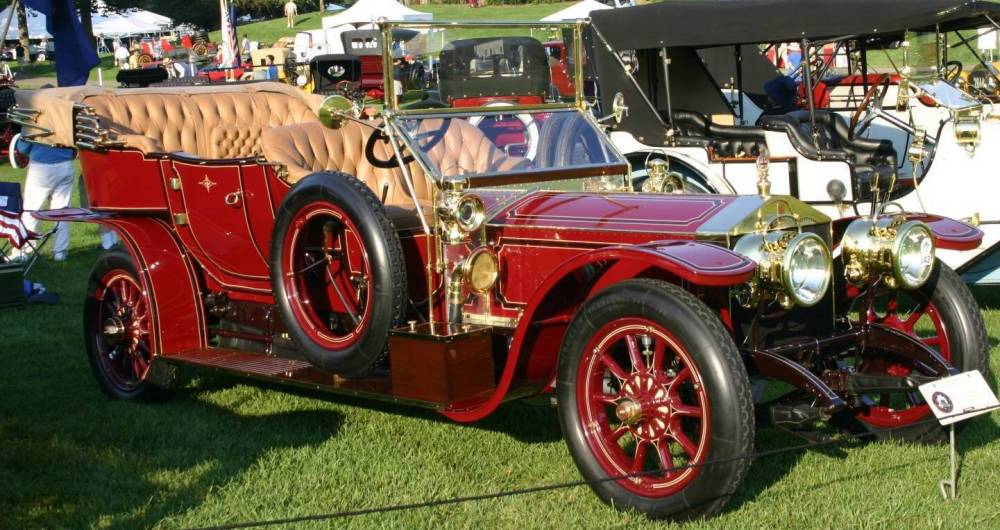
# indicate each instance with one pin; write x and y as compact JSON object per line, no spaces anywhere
{"x":707,"y":23}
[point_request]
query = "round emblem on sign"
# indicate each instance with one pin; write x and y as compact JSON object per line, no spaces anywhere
{"x":942,"y":402}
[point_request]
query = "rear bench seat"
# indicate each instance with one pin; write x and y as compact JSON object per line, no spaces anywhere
{"x":214,"y":124}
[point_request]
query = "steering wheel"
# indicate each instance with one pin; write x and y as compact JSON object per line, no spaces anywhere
{"x":875,"y":96}
{"x":953,"y":72}
{"x":391,"y":162}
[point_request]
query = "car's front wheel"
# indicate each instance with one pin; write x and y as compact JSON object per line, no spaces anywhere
{"x":651,"y":389}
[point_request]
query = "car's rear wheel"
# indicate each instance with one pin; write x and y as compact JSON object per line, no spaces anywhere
{"x":118,"y":324}
{"x":651,"y":387}
{"x":337,"y":271}
{"x":944,"y":315}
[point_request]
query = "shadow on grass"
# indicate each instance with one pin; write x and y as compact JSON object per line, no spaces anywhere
{"x":132,"y":461}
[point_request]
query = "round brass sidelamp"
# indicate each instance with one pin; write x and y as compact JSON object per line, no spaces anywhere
{"x":481,"y":270}
{"x":470,"y":212}
{"x":889,"y":247}
{"x":334,"y":111}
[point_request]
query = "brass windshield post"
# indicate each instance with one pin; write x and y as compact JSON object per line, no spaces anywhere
{"x":666,"y":88}
{"x":578,"y":63}
{"x":807,"y":79}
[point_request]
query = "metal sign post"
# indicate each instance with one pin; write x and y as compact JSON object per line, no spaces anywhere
{"x":954,"y":399}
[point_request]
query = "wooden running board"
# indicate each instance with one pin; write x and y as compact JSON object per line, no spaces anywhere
{"x":292,"y":372}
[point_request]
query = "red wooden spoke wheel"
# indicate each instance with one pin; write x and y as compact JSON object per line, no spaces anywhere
{"x":123,"y":345}
{"x":643,"y":396}
{"x":119,"y":323}
{"x":944,"y":315}
{"x":329,"y":275}
{"x":914,"y":314}
{"x":654,"y":401}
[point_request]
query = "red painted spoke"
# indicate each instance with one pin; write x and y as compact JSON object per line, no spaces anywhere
{"x":666,"y":459}
{"x":617,"y":433}
{"x":639,"y":462}
{"x":932,"y":341}
{"x":659,"y":349}
{"x":911,"y":320}
{"x":607,"y":399}
{"x":684,"y":409}
{"x":613,"y":367}
{"x":634,"y":354}
{"x":686,"y":444}
{"x":675,"y":385}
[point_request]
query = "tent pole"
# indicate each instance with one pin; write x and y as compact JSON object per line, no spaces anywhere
{"x":666,"y":89}
{"x":10,"y":17}
{"x":739,"y":80}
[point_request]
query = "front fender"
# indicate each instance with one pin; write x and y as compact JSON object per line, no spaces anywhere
{"x":949,"y":234}
{"x":535,"y":344}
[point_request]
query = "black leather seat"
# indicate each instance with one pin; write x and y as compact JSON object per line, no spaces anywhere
{"x":868,"y":158}
{"x":696,"y":129}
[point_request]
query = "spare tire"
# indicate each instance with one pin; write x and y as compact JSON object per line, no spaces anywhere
{"x":338,"y":273}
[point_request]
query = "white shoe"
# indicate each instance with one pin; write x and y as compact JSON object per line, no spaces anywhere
{"x":59,"y":256}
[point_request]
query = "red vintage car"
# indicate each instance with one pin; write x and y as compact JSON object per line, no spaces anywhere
{"x":407,"y":258}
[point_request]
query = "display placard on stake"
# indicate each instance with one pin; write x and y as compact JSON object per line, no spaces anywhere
{"x":959,"y":397}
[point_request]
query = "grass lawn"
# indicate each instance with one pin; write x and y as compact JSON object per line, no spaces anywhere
{"x":227,"y":450}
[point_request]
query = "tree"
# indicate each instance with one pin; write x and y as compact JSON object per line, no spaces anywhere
{"x":22,"y":21}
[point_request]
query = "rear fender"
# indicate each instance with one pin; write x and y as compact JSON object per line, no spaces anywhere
{"x":166,"y":273}
{"x":535,"y":345}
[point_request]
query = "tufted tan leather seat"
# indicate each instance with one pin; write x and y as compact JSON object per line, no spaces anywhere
{"x":214,"y":125}
{"x":456,"y":146}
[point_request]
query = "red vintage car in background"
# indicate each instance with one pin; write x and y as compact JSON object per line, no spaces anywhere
{"x":409,"y":258}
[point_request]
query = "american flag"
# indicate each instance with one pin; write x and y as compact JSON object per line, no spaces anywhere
{"x":230,"y":44}
{"x":13,"y":230}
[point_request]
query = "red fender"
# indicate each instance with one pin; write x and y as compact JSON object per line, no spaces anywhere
{"x":949,"y":234}
{"x":692,"y":261}
{"x":165,"y":271}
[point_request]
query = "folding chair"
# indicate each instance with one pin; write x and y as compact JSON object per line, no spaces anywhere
{"x":14,"y":236}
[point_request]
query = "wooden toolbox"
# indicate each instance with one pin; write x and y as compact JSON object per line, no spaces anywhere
{"x":442,"y":363}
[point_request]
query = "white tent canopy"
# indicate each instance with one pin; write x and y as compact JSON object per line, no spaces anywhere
{"x":576,"y":11}
{"x":368,"y":11}
{"x":129,"y":22}
{"x":36,"y":24}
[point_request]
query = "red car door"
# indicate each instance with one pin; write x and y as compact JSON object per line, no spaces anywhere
{"x":218,"y":224}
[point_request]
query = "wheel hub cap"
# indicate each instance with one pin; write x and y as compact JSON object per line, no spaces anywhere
{"x":628,"y":411}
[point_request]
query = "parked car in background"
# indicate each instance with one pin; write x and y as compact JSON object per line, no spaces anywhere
{"x":844,"y":163}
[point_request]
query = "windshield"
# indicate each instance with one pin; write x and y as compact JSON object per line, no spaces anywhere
{"x":536,"y":144}
{"x":479,"y":65}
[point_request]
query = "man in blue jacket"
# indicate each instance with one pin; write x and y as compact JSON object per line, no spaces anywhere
{"x":50,"y":178}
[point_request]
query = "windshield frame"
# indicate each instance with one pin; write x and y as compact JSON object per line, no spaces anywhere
{"x":391,"y":100}
{"x":516,"y":176}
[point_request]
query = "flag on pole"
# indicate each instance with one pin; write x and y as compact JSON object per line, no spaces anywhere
{"x":13,"y":230}
{"x":230,"y":44}
{"x":74,"y":53}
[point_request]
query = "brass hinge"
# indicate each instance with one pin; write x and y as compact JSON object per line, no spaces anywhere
{"x":175,"y":183}
{"x":180,"y":219}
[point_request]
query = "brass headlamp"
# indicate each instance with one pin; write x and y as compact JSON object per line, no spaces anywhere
{"x":792,"y":269}
{"x":891,"y":248}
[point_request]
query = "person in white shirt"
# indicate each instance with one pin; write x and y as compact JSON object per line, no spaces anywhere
{"x":291,"y":10}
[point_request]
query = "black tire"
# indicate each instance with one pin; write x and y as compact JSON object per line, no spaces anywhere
{"x":724,"y":378}
{"x":565,"y":140}
{"x":967,"y":340}
{"x":160,"y":377}
{"x":388,"y":291}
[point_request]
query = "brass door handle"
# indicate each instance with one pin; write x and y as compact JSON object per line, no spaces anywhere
{"x":233,"y":198}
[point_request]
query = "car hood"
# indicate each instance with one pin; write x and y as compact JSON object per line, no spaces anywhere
{"x":681,"y":216}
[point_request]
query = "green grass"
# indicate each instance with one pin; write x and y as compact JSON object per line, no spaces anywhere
{"x":268,"y":31}
{"x":227,"y":450}
{"x":36,"y":74}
